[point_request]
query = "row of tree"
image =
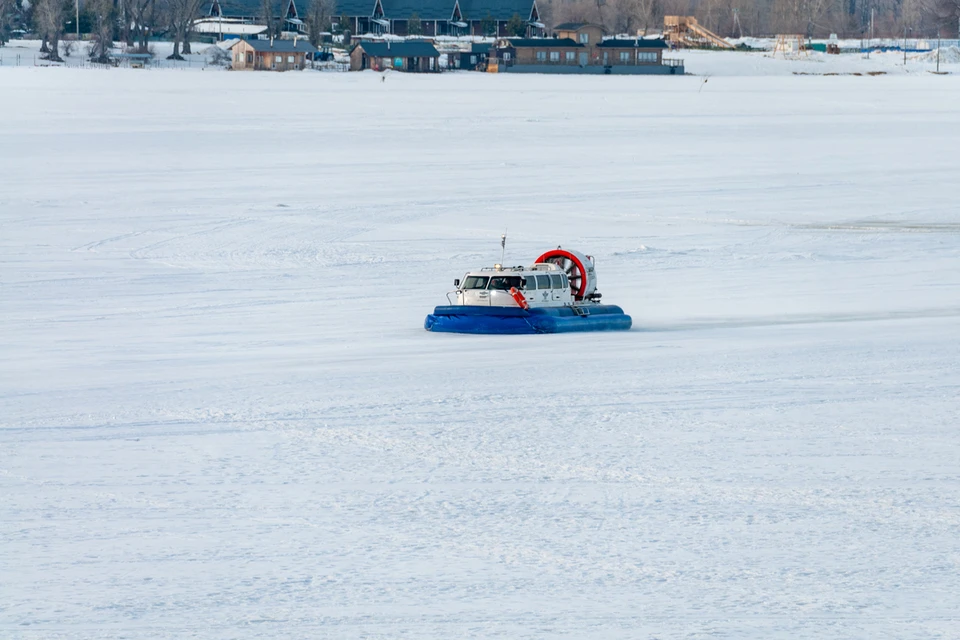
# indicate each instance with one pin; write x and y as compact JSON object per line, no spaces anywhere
{"x":104,"y":21}
{"x":134,"y":21}
{"x":738,"y":18}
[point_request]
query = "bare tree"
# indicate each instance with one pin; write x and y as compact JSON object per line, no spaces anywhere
{"x":6,"y":18}
{"x":141,"y":14}
{"x":104,"y":19}
{"x":577,"y":11}
{"x":268,"y":13}
{"x":947,"y":15}
{"x":180,"y":15}
{"x":50,"y":15}
{"x":319,"y":17}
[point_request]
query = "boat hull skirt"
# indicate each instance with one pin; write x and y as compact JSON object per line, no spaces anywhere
{"x":493,"y":320}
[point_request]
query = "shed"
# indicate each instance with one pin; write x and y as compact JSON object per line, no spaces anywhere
{"x":476,"y":58}
{"x":413,"y":57}
{"x":271,"y":55}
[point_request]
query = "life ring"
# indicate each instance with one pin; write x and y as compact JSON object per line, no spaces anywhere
{"x":520,"y":298}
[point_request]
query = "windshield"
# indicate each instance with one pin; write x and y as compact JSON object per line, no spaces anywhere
{"x":504,"y":283}
{"x":475,"y":282}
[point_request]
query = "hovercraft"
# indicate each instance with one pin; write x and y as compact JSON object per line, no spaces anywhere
{"x":557,"y":294}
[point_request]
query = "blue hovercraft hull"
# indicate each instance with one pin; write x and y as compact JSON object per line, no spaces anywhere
{"x":476,"y":319}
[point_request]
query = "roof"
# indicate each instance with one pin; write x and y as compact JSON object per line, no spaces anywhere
{"x":248,"y":8}
{"x":496,"y":9}
{"x":543,"y":42}
{"x":300,"y":45}
{"x":481,"y":47}
{"x":428,"y":9}
{"x":425,"y":9}
{"x":399,"y":49}
{"x":573,"y":26}
{"x":640,"y":43}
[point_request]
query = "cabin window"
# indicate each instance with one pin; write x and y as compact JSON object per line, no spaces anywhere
{"x":543,"y":282}
{"x":504,"y":283}
{"x":557,"y":281}
{"x":571,"y":56}
{"x":566,"y":283}
{"x":554,"y":56}
{"x":646,"y":56}
{"x":476,"y":282}
{"x":290,"y":59}
{"x":531,"y":283}
{"x":624,"y":56}
{"x":584,"y":38}
{"x":541,"y":55}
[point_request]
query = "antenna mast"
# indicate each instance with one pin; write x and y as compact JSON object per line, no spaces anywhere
{"x":503,"y":246}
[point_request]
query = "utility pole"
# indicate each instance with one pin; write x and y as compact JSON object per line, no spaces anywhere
{"x":938,"y":49}
{"x":78,"y":20}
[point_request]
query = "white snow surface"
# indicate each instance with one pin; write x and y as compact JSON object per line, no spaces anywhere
{"x":220,"y":416}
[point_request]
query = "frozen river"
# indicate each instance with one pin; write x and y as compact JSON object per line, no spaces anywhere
{"x":220,"y":415}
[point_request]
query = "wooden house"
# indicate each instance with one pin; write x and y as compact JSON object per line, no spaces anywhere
{"x":271,"y":55}
{"x":582,"y":49}
{"x":581,"y":32}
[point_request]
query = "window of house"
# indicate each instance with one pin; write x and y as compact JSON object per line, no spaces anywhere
{"x":290,"y":59}
{"x":554,"y":56}
{"x":584,"y":38}
{"x":506,"y":56}
{"x":571,"y":56}
{"x":541,"y":55}
{"x":646,"y":56}
{"x":624,"y":56}
{"x":249,"y":57}
{"x":473,"y":59}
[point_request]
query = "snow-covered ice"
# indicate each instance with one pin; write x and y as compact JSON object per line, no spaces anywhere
{"x":220,"y":415}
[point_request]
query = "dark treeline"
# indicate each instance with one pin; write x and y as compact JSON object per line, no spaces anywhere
{"x":134,"y":22}
{"x":735,"y":18}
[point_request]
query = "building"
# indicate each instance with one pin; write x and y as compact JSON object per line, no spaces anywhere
{"x":580,"y":48}
{"x":474,"y":59}
{"x":245,"y":18}
{"x":411,"y":56}
{"x":439,"y":17}
{"x":271,"y":55}
{"x":582,"y":32}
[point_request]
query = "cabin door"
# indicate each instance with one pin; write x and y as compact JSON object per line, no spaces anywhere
{"x":583,"y":59}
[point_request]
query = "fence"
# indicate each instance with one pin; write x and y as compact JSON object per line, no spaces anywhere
{"x":12,"y":59}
